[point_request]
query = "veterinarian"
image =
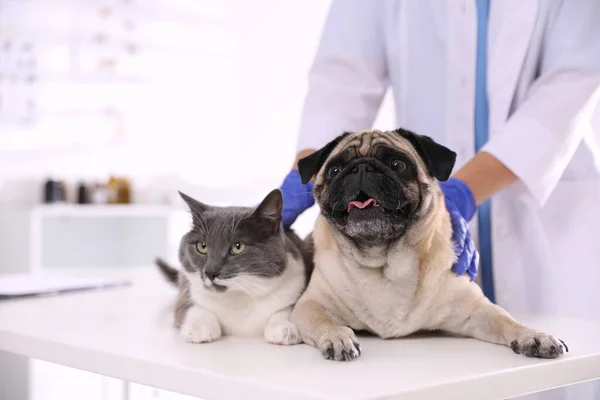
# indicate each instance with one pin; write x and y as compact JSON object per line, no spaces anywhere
{"x":512,"y":87}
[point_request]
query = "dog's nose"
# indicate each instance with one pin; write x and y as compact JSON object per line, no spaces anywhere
{"x":362,"y":168}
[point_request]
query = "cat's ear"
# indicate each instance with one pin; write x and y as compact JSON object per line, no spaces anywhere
{"x":196,"y":208}
{"x":270,"y":208}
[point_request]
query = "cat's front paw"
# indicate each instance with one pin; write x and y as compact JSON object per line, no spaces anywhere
{"x":200,"y":327}
{"x":283,"y":333}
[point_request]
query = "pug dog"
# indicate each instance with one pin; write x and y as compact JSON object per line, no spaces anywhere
{"x":384,"y":251}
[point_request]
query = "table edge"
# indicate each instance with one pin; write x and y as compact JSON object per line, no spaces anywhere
{"x":517,"y":382}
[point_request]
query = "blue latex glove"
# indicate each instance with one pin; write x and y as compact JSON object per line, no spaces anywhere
{"x":297,"y":198}
{"x":461,"y":205}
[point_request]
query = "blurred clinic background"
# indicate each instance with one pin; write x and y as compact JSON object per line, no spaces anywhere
{"x":108,"y":107}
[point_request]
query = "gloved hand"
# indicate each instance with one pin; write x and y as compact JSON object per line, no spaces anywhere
{"x":461,"y":205}
{"x":297,"y":198}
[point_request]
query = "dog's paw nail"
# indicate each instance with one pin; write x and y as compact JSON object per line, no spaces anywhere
{"x":328,"y":353}
{"x":340,"y":345}
{"x":514,"y":345}
{"x":563,"y":345}
{"x":357,"y":347}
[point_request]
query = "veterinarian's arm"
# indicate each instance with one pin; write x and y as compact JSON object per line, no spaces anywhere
{"x":539,"y":139}
{"x":302,"y":154}
{"x":485,"y":175}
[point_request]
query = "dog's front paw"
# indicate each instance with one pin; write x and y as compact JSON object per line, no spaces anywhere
{"x":283,"y":333}
{"x":539,"y":344}
{"x":200,"y":327}
{"x":339,"y":344}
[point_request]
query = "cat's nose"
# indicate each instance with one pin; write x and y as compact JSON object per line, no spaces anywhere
{"x":211,"y":275}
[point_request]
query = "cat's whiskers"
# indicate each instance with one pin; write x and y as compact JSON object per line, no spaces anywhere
{"x":245,"y":274}
{"x":248,"y":284}
{"x":334,"y":206}
{"x":259,"y":274}
{"x":235,"y":224}
{"x":198,"y":217}
{"x":259,"y":287}
{"x":301,"y":193}
{"x":244,"y":289}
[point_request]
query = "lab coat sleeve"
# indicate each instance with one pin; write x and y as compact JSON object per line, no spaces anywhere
{"x":541,"y":136}
{"x":348,"y":78}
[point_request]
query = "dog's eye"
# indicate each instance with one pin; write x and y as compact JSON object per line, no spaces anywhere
{"x":398,"y":165}
{"x":334,"y":170}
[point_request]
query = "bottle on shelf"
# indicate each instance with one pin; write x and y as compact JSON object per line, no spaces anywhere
{"x":123,"y":191}
{"x":82,"y":193}
{"x":49,"y":186}
{"x":112,"y":189}
{"x":99,"y":194}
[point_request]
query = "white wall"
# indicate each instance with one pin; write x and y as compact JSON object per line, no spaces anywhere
{"x":212,"y":97}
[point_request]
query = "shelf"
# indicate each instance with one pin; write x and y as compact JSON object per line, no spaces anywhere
{"x":101,"y":210}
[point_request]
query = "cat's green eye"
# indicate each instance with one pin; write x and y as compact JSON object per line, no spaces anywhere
{"x":202,"y":247}
{"x":237,"y":247}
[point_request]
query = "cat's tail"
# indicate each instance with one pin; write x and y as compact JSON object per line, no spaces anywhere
{"x":170,"y":273}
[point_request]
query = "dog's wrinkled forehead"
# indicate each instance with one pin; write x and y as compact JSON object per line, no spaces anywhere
{"x":365,"y":143}
{"x":432,"y":159}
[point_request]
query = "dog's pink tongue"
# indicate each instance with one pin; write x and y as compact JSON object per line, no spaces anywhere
{"x":361,"y":204}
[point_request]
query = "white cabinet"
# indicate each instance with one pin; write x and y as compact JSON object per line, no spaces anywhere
{"x":99,"y":235}
{"x":56,"y":382}
{"x":80,"y":236}
{"x":142,"y":392}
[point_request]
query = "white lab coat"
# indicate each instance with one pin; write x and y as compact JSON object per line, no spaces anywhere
{"x":543,"y":85}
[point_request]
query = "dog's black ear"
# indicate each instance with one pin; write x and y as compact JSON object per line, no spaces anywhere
{"x":438,"y":159}
{"x":309,"y":166}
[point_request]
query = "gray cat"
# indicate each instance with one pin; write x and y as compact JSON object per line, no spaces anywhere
{"x":242,"y":273}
